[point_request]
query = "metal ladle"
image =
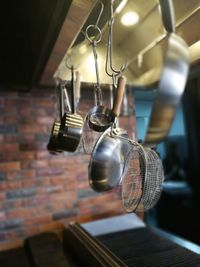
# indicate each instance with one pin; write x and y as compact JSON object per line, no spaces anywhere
{"x":107,"y":162}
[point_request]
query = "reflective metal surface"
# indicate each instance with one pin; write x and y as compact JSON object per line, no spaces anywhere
{"x":107,"y":162}
{"x":171,"y":87}
{"x":167,"y":13}
{"x":100,"y":118}
{"x":70,"y":132}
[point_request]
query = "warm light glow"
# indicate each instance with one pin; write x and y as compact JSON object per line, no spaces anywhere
{"x":83,"y":49}
{"x":121,"y":6}
{"x":130,"y":18}
{"x":90,"y":64}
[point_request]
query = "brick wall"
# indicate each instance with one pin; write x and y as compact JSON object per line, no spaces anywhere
{"x":39,"y":191}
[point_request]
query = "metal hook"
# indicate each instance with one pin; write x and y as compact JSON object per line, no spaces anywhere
{"x":70,"y":66}
{"x":95,"y":27}
{"x":109,"y":51}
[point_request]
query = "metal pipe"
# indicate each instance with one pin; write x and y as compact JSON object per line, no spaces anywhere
{"x":162,"y":37}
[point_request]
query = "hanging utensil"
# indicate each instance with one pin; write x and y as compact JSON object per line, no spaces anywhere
{"x":53,"y":146}
{"x":99,"y":117}
{"x":151,"y":176}
{"x":168,"y":15}
{"x":106,"y":166}
{"x":71,"y":124}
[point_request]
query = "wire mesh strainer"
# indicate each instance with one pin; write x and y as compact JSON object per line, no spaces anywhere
{"x":142,"y":184}
{"x":132,"y":183}
{"x":154,"y":177}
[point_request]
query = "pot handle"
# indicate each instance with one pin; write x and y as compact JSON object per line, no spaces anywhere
{"x":119,"y":95}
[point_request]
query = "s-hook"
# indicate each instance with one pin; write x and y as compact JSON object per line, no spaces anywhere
{"x":94,"y":41}
{"x":109,"y":68}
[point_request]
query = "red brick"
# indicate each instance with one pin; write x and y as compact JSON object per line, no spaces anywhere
{"x":14,"y":185}
{"x":28,"y":183}
{"x":15,"y":234}
{"x":25,"y":111}
{"x":56,"y":162}
{"x":27,"y":138}
{"x":4,"y":148}
{"x":12,"y":175}
{"x":40,"y":219}
{"x":28,"y":174}
{"x":19,"y":213}
{"x":37,"y":200}
{"x":13,"y":204}
{"x":24,"y":102}
{"x":32,"y":128}
{"x":56,"y":180}
{"x":7,"y":166}
{"x":1,"y":137}
{"x":38,"y":164}
{"x":49,"y":172}
{"x":25,"y":164}
{"x":26,"y":155}
{"x":43,"y":181}
{"x":13,"y":102}
{"x":50,"y":189}
{"x":45,"y":102}
{"x":58,"y":225}
{"x":9,"y":156}
{"x":11,"y":138}
{"x":2,"y":196}
{"x":2,"y":216}
{"x":42,"y":154}
{"x":45,"y":120}
{"x":3,"y":186}
{"x":12,"y":119}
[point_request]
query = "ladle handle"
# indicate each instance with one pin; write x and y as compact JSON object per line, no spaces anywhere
{"x":73,"y":102}
{"x":119,"y":95}
{"x":78,"y":86}
{"x":168,"y":15}
{"x":61,"y":101}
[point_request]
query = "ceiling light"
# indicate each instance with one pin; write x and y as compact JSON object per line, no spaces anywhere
{"x":130,"y":18}
{"x":121,"y":6}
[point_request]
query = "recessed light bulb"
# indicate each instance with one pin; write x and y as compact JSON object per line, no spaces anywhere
{"x":130,"y":18}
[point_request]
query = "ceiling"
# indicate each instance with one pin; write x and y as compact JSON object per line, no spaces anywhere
{"x":37,"y":36}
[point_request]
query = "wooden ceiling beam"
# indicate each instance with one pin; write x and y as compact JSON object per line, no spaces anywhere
{"x":74,"y":20}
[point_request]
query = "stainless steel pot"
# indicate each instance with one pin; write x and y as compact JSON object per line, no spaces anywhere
{"x":107,"y":163}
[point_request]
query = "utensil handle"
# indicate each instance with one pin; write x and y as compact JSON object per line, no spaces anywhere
{"x":61,"y":101}
{"x":119,"y":95}
{"x":78,"y":85}
{"x":67,"y":103}
{"x":168,"y":15}
{"x":73,"y":101}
